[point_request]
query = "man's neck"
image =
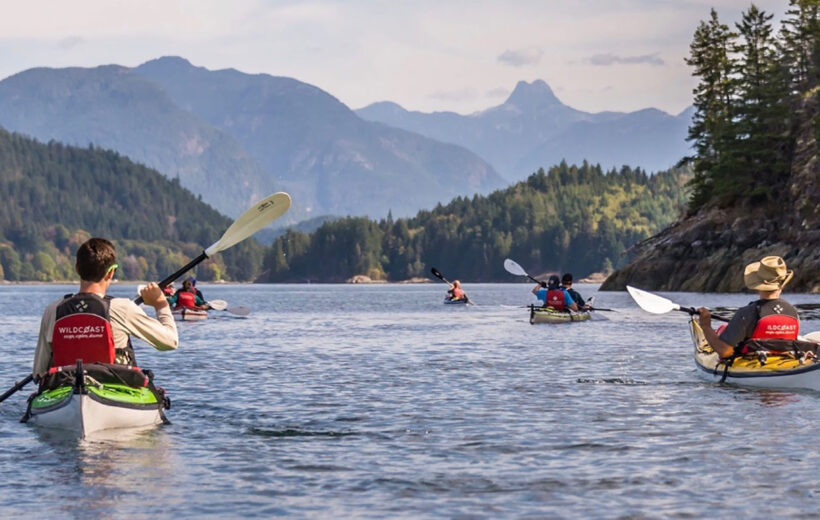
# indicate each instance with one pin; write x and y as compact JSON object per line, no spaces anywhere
{"x":769,"y":295}
{"x":98,"y":288}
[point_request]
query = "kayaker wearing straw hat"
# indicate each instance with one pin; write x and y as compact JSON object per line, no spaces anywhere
{"x":770,"y":317}
{"x":94,"y":327}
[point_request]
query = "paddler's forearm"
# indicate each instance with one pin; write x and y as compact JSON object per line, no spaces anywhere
{"x":722,"y":348}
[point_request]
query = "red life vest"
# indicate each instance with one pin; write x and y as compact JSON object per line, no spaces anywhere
{"x":776,"y":326}
{"x":82,"y":330}
{"x":781,"y":325}
{"x":458,"y":294}
{"x":185,"y":299}
{"x":555,"y":299}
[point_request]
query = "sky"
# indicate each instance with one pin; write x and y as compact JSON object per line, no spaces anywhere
{"x":428,"y":55}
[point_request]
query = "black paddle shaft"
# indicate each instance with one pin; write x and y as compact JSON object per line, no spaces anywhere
{"x":692,"y":311}
{"x":190,"y":265}
{"x":16,"y":387}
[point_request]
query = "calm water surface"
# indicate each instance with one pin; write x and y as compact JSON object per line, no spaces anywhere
{"x":379,"y":401}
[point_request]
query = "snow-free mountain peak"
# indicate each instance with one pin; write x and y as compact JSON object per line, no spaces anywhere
{"x":529,"y":96}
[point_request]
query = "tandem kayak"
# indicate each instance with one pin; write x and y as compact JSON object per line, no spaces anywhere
{"x":799,"y":368}
{"x":550,"y":315}
{"x":185,"y":314}
{"x":106,"y":397}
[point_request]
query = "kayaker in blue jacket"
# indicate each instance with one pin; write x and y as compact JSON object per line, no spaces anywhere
{"x":553,"y":295}
{"x":769,"y":317}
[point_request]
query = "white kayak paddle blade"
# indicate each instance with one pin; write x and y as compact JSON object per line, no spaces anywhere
{"x":218,"y":305}
{"x":652,"y":302}
{"x":513,"y":268}
{"x":260,"y":215}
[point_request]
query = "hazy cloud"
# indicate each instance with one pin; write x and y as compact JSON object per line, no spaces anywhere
{"x":453,"y":95}
{"x":499,"y":92}
{"x":605,"y":60}
{"x":521,"y":57}
{"x":71,"y":42}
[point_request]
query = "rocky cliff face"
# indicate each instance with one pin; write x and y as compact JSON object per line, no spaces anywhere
{"x":707,"y":251}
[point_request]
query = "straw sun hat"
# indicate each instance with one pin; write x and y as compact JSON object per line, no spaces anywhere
{"x":769,"y":274}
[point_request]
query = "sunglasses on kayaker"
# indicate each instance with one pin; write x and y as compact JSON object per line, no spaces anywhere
{"x":112,"y":268}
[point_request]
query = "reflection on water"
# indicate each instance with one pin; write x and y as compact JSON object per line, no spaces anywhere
{"x":107,"y":470}
{"x":366,"y":401}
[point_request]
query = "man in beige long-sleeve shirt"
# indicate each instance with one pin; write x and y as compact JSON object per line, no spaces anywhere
{"x":96,"y":265}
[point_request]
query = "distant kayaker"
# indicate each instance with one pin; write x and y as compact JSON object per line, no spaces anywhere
{"x":553,"y":295}
{"x":197,"y":291}
{"x":455,"y":292}
{"x":566,"y":283}
{"x":769,"y":317}
{"x":186,"y":298}
{"x":96,"y":328}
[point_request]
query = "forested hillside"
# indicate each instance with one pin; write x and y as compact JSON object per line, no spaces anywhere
{"x":56,"y":196}
{"x":578,"y":219}
{"x":756,"y":185}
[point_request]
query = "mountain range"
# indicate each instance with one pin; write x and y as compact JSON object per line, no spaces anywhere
{"x":534,"y":129}
{"x":233,"y":137}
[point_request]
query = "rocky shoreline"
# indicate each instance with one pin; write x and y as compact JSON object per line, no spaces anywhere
{"x":707,"y":253}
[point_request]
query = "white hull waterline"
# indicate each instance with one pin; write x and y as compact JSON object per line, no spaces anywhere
{"x":84,"y":414}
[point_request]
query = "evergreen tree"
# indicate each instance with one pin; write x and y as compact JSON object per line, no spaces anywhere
{"x":714,"y":101}
{"x":762,"y":148}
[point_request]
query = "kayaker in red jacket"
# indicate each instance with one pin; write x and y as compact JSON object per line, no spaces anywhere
{"x":187,"y":298}
{"x":769,"y":317}
{"x":94,"y":327}
{"x":455,"y":292}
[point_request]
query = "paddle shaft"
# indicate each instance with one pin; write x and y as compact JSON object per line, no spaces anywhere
{"x":168,"y":279}
{"x":17,"y":386}
{"x":692,"y":311}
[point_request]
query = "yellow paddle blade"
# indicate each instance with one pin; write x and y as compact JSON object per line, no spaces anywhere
{"x":260,"y":215}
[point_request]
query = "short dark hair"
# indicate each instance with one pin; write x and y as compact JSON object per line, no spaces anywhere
{"x":567,"y":277}
{"x":94,"y":258}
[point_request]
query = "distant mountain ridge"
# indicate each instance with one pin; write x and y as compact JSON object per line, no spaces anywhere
{"x":533,"y":128}
{"x":232,"y":137}
{"x":112,"y":107}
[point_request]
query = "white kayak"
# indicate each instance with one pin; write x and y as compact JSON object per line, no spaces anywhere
{"x":84,"y":414}
{"x":186,"y":314}
{"x":770,"y":371}
{"x":92,"y":406}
